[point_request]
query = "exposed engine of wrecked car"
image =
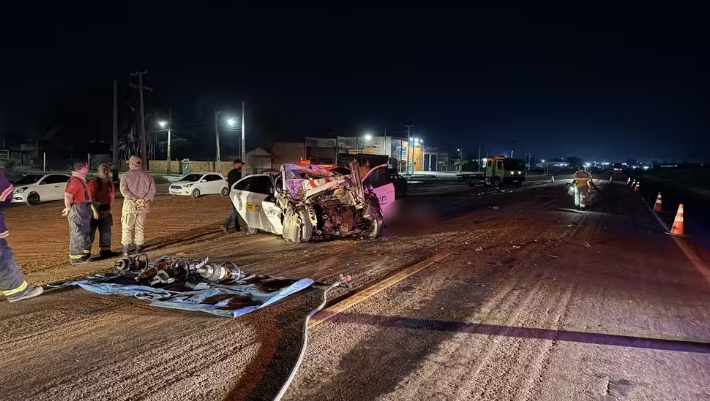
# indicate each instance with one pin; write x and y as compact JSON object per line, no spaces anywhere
{"x":327,"y":205}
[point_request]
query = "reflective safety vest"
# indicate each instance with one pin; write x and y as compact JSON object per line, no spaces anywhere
{"x":582,"y":178}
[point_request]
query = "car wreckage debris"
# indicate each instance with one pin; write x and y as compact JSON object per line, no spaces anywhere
{"x":175,"y":282}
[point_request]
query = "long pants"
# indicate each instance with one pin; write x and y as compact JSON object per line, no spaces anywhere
{"x":580,"y":197}
{"x":11,"y":280}
{"x":130,"y":222}
{"x":103,"y":224}
{"x":234,"y":217}
{"x":79,"y":230}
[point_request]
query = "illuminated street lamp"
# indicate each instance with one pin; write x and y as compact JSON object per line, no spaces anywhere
{"x":230,"y":122}
{"x":163,"y":124}
{"x":368,"y":136}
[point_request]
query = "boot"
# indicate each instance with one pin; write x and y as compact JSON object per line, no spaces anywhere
{"x":81,"y":261}
{"x":125,"y":250}
{"x":29,"y":292}
{"x":107,"y":253}
{"x":138,"y":249}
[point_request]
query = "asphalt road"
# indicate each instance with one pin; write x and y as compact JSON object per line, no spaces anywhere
{"x":536,"y":301}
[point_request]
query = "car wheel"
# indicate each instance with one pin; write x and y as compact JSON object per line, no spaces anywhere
{"x":225,"y":191}
{"x":495,"y":181}
{"x":196,"y":193}
{"x":33,"y":199}
{"x":376,"y":228}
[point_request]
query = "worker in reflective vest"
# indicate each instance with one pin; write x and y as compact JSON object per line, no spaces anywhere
{"x":582,"y":180}
{"x":77,"y":209}
{"x":12,"y":283}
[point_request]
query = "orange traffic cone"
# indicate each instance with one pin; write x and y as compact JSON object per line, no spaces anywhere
{"x":636,"y":188}
{"x":678,"y":225}
{"x":633,"y":183}
{"x":657,"y":207}
{"x":628,"y":182}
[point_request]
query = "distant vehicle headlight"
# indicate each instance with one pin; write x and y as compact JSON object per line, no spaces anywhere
{"x":20,"y":190}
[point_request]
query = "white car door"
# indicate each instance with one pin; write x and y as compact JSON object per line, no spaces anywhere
{"x":52,"y":187}
{"x":207,"y":187}
{"x":60,"y":185}
{"x":44,"y":188}
{"x":378,"y":178}
{"x":216,"y":184}
{"x":248,"y":196}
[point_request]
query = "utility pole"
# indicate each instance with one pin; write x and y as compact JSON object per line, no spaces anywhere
{"x":115,"y":132}
{"x":244,"y":124}
{"x":409,"y":143}
{"x":170,"y":126}
{"x":216,"y":133}
{"x":140,"y":87}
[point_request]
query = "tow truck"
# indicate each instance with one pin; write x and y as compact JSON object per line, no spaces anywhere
{"x":500,"y":170}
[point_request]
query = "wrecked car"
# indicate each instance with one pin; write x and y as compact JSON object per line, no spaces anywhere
{"x":305,"y":201}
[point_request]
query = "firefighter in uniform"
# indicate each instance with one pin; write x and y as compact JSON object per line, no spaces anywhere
{"x":103,"y":194}
{"x":12,"y":283}
{"x":582,"y":180}
{"x":138,"y":190}
{"x":77,"y":208}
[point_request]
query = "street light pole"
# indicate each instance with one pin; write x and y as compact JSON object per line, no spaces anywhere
{"x":170,"y":124}
{"x":216,"y":134}
{"x":244,"y":119}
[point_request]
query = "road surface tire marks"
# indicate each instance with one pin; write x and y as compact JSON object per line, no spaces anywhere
{"x":501,"y":351}
{"x":337,"y":388}
{"x":291,"y":335}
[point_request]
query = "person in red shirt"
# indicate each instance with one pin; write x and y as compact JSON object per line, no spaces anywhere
{"x":77,"y":208}
{"x":103,"y":193}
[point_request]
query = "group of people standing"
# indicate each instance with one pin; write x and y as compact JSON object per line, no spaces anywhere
{"x":87,"y":206}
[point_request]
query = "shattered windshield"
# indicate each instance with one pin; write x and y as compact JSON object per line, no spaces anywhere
{"x":27,"y":180}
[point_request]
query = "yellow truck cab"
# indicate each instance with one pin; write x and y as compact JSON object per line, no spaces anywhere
{"x":501,"y":170}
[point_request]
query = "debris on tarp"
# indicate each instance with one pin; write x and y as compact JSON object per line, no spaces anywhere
{"x":220,"y":289}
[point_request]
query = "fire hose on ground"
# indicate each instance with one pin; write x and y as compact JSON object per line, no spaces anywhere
{"x":343,"y":281}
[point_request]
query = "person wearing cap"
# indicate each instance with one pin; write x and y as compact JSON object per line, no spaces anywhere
{"x":12,"y":283}
{"x":138,"y":190}
{"x":234,"y":175}
{"x":103,"y":193}
{"x":77,"y":209}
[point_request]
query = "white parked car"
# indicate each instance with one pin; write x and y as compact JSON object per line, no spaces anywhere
{"x":198,"y":184}
{"x":35,"y":188}
{"x":305,"y":200}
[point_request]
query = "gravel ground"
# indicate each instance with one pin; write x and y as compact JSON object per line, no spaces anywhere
{"x":505,"y":317}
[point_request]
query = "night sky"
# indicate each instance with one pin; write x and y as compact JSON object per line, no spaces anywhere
{"x":601,"y":82}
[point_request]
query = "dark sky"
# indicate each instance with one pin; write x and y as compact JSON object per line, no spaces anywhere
{"x":598,"y":81}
